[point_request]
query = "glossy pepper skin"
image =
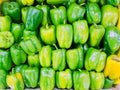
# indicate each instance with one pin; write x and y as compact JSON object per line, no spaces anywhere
{"x":81,"y":31}
{"x":6,"y":39}
{"x":96,"y":34}
{"x":75,"y":58}
{"x":30,"y":44}
{"x":45,"y":56}
{"x":15,"y":81}
{"x":64,"y":34}
{"x":5,"y":22}
{"x":58,"y":59}
{"x":47,"y":79}
{"x":113,"y":2}
{"x":112,"y":67}
{"x":30,"y":76}
{"x":24,"y":11}
{"x":109,"y":19}
{"x":93,"y":13}
{"x":118,"y":23}
{"x":95,"y":60}
{"x":81,"y":80}
{"x":48,"y":34}
{"x":58,"y":15}
{"x":56,"y":1}
{"x":33,"y":60}
{"x":95,"y":1}
{"x":108,"y":83}
{"x":17,"y":31}
{"x":17,"y":54}
{"x":75,"y":12}
{"x":64,"y":79}
{"x":33,"y":18}
{"x":3,"y":83}
{"x":111,"y":41}
{"x":25,"y":2}
{"x":12,"y":9}
{"x":97,"y":80}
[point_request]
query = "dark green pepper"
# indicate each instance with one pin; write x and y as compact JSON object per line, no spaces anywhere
{"x":75,"y":58}
{"x":47,"y":79}
{"x":5,"y":60}
{"x":58,"y":59}
{"x":17,"y":54}
{"x":108,"y":83}
{"x":75,"y":12}
{"x":12,"y":9}
{"x":58,"y":15}
{"x":64,"y":79}
{"x":113,"y":2}
{"x":81,"y":80}
{"x":64,"y":35}
{"x":33,"y":18}
{"x":93,"y":13}
{"x":40,"y":1}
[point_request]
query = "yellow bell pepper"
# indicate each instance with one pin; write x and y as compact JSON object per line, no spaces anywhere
{"x":117,"y":81}
{"x":118,"y":52}
{"x":118,"y":24}
{"x":112,"y":68}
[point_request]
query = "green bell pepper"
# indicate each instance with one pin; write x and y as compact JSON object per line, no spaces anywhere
{"x":64,"y":79}
{"x":97,"y":80}
{"x":93,"y":13}
{"x":12,"y":9}
{"x":95,"y":1}
{"x":47,"y":79}
{"x":33,"y":18}
{"x":102,"y":2}
{"x":75,"y":58}
{"x":48,"y":35}
{"x":27,"y":33}
{"x":6,"y":39}
{"x":46,"y":13}
{"x":64,"y":35}
{"x":112,"y":39}
{"x":113,"y":2}
{"x":24,"y":11}
{"x":40,"y":1}
{"x":108,"y":83}
{"x":17,"y":54}
{"x":58,"y":59}
{"x":5,"y":23}
{"x":85,"y":47}
{"x":109,"y":15}
{"x":81,"y":80}
{"x":25,"y":2}
{"x":33,"y":60}
{"x":75,"y":12}
{"x":70,"y":2}
{"x":15,"y":81}
{"x":96,"y":34}
{"x":81,"y":31}
{"x":58,"y":15}
{"x":95,"y":60}
{"x":17,"y":31}
{"x":30,"y":44}
{"x":81,"y":1}
{"x":45,"y":56}
{"x":3,"y":83}
{"x":30,"y":76}
{"x":56,"y":1}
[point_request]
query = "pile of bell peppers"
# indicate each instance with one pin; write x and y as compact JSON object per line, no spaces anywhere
{"x":60,"y":44}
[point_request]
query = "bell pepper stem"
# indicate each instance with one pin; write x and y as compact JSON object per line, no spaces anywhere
{"x":82,"y":4}
{"x":55,"y":46}
{"x":47,"y":26}
{"x":116,"y":58}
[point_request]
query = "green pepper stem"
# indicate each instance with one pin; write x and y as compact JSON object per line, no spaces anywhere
{"x":55,"y":46}
{"x":47,"y":26}
{"x":82,"y":4}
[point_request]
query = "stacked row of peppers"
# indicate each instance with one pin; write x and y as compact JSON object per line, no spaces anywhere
{"x":61,"y":44}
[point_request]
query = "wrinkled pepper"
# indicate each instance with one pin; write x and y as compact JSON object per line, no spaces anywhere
{"x":111,"y":39}
{"x":30,"y":44}
{"x":95,"y":60}
{"x":3,"y":75}
{"x":97,"y":80}
{"x":12,"y":9}
{"x":5,"y":23}
{"x":75,"y":12}
{"x":17,"y":54}
{"x":64,"y":79}
{"x":64,"y":34}
{"x":15,"y":81}
{"x":33,"y":18}
{"x":75,"y":58}
{"x":58,"y":59}
{"x":81,"y":80}
{"x":93,"y":13}
{"x":45,"y":56}
{"x":47,"y":79}
{"x":81,"y":31}
{"x":96,"y":34}
{"x":113,"y":2}
{"x":108,"y":83}
{"x":109,"y":15}
{"x":58,"y":15}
